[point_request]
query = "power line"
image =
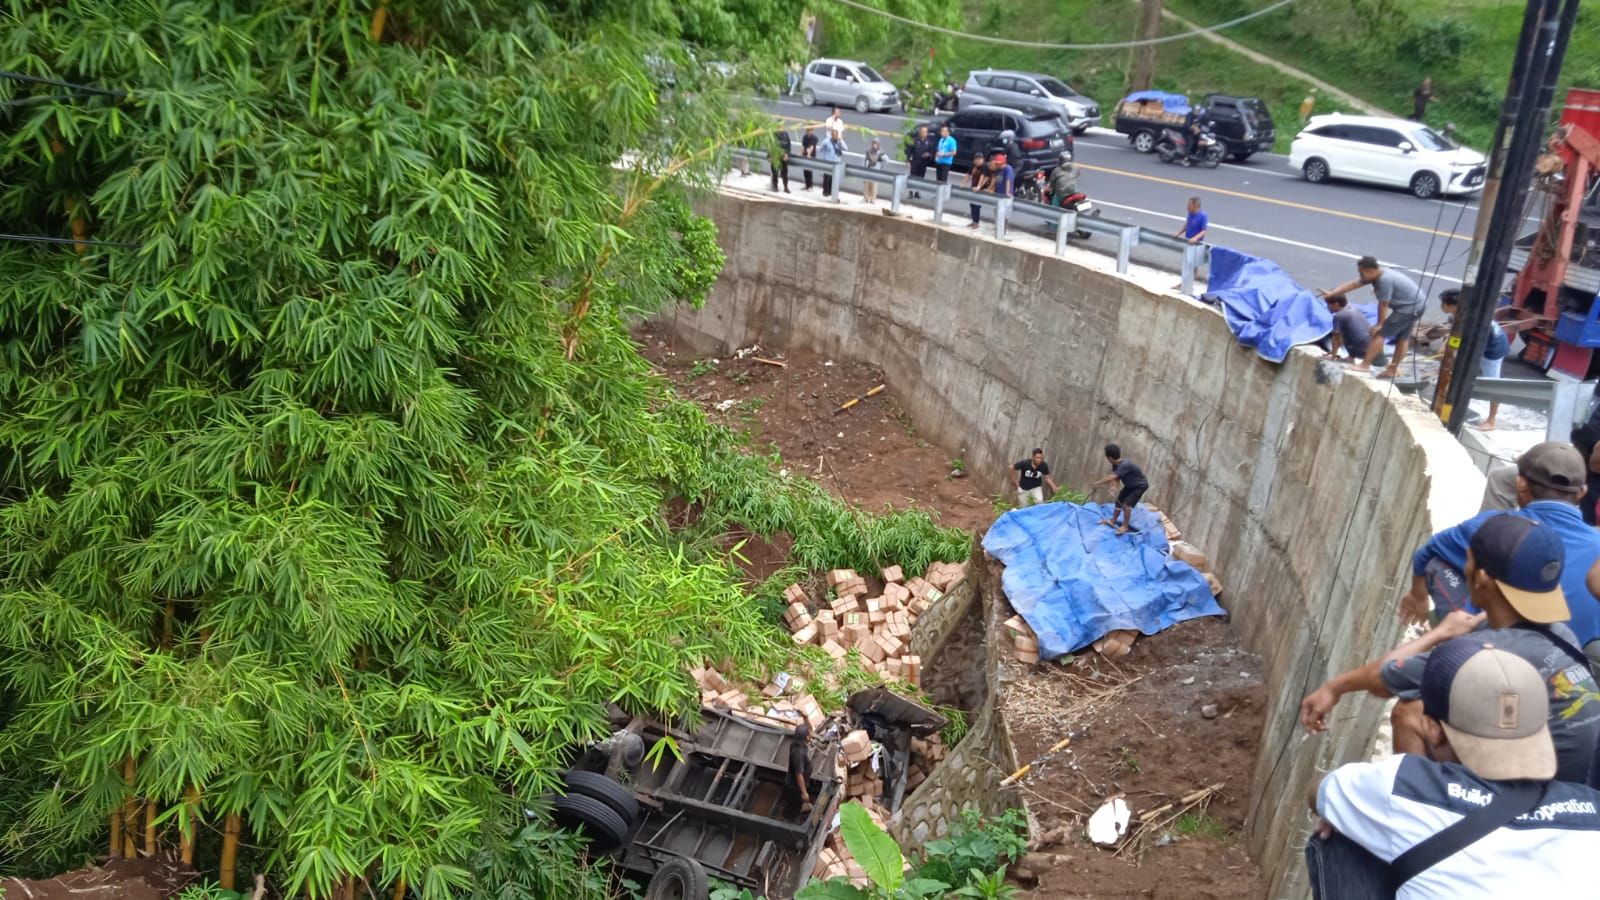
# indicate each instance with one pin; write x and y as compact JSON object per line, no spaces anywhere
{"x":1039,"y":45}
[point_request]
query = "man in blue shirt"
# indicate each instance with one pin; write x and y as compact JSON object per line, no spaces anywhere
{"x":1003,"y":174}
{"x":1194,"y":227}
{"x":945,"y":156}
{"x":1550,"y":481}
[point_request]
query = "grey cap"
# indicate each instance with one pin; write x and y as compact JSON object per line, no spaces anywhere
{"x":1494,"y":707}
{"x":1556,"y":465}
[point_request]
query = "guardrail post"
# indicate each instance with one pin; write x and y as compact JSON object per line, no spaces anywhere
{"x":1193,"y":258}
{"x":898,"y":190}
{"x":838,"y":182}
{"x":1125,"y":241}
{"x":1068,"y":222}
{"x":1002,"y":209}
{"x":1567,"y":400}
{"x":941,"y":196}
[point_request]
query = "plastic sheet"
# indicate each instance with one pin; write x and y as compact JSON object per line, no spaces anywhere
{"x":1074,"y":580}
{"x":1263,"y":306}
{"x":1172,"y":103}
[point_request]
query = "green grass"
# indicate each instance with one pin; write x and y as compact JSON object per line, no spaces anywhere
{"x":1466,"y":45}
{"x":1194,"y":67}
{"x":1201,"y":825}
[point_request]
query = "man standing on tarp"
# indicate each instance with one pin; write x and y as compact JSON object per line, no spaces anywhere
{"x":1029,"y":476}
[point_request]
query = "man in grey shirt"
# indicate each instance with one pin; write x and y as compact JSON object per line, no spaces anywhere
{"x":1400,"y":305}
{"x":1513,"y":570}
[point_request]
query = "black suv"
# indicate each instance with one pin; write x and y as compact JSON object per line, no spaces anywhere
{"x":1040,"y":134}
{"x":1243,"y":124}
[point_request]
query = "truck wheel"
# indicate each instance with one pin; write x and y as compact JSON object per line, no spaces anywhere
{"x":1144,"y":141}
{"x":606,"y":790}
{"x":679,"y":879}
{"x":605,"y":829}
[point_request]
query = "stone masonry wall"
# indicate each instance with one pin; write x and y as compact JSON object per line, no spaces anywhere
{"x":1308,"y":493}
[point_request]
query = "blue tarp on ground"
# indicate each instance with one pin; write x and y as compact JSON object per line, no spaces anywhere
{"x":1174,"y":103}
{"x":1075,"y":580}
{"x":1263,"y":306}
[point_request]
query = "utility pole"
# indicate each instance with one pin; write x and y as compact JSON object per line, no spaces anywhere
{"x":1144,"y":72}
{"x":1546,"y":26}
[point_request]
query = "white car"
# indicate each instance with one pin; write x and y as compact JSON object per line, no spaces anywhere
{"x":847,"y":82}
{"x":1379,"y":150}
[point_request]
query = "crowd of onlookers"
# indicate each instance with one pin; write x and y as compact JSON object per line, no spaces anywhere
{"x":1492,"y":791}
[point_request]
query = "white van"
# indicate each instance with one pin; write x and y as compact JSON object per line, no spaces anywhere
{"x":847,"y":82}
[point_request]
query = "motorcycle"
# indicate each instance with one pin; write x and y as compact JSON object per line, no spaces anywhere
{"x":947,"y":100}
{"x":1037,"y":189}
{"x":1174,"y":145}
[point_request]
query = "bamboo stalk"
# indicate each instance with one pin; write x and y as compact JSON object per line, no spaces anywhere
{"x":191,"y":800}
{"x":399,"y":889}
{"x":380,"y":17}
{"x":166,"y":625}
{"x":116,"y":830}
{"x":130,"y":814}
{"x":228,"y":873}
{"x":150,"y":828}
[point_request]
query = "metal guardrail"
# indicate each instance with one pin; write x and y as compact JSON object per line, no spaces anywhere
{"x":1003,"y":209}
{"x":1566,"y":403}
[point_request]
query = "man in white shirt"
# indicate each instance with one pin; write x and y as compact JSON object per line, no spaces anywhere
{"x":1477,"y":816}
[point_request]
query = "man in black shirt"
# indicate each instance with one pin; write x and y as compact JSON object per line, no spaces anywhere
{"x":1134,"y":485}
{"x":796,"y":793}
{"x":923,"y":149}
{"x":1029,"y":475}
{"x":779,"y":159}
{"x":808,"y":148}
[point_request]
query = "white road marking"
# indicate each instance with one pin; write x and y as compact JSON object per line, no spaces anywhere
{"x":1268,"y":237}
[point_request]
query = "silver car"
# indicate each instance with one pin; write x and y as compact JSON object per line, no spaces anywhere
{"x":847,"y":82}
{"x":1004,"y":87}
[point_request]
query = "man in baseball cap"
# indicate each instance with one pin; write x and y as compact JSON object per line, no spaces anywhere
{"x":1549,"y":482}
{"x":1437,"y":824}
{"x":1515,"y":571}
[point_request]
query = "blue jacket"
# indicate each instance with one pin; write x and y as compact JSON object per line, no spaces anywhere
{"x":1582,"y":545}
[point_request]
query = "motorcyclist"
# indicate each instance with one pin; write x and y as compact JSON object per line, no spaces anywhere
{"x":1063,"y":180}
{"x":1193,"y":125}
{"x":1007,"y":144}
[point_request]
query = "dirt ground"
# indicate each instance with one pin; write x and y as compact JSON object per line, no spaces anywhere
{"x":118,"y":879}
{"x":869,"y":454}
{"x":1136,"y":722}
{"x":1139,"y":731}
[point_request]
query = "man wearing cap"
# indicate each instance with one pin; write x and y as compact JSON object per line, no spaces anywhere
{"x":1515,"y":574}
{"x":1475,"y":814}
{"x":1549,"y":483}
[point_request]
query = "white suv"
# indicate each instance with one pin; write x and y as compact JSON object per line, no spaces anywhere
{"x":1380,"y":150}
{"x":847,"y":82}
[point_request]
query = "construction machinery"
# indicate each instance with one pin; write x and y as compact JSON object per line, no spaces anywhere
{"x":1557,"y":265}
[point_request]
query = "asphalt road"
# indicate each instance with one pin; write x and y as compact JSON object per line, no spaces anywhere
{"x":1315,"y":232}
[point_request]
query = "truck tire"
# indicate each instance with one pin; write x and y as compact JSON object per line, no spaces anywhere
{"x":679,"y":879}
{"x":605,"y":829}
{"x":1144,"y":140}
{"x":607,"y":790}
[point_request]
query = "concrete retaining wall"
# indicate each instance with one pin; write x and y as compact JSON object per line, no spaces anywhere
{"x":1308,"y":493}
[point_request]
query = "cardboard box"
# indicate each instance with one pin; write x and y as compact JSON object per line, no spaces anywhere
{"x":806,"y":635}
{"x":833,"y":648}
{"x":795,"y":610}
{"x":892,"y":575}
{"x":876,"y":617}
{"x":800,"y":623}
{"x":845,"y":605}
{"x":857,"y":746}
{"x":1016,"y":627}
{"x":840,"y":576}
{"x":890,"y":644}
{"x":854,"y":635}
{"x":1215,"y":583}
{"x":1189,"y":554}
{"x":795,"y":594}
{"x":871,"y":649}
{"x":1026,"y":644}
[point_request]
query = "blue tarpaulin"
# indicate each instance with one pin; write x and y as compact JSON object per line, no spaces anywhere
{"x":1074,"y":580}
{"x":1174,"y":103}
{"x":1263,"y":306}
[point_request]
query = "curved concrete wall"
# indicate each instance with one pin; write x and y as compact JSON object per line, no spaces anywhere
{"x":1309,"y":494}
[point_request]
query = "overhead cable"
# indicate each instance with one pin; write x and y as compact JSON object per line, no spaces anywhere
{"x":1039,"y":45}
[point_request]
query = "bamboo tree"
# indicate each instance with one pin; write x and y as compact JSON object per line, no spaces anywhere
{"x":359,"y":419}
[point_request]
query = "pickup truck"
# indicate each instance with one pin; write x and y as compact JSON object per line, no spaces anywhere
{"x":1243,"y":124}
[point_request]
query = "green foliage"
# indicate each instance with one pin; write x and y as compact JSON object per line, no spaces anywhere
{"x":723,"y":891}
{"x":955,"y":726}
{"x":209,"y":890}
{"x":1438,"y":42}
{"x":971,"y":862}
{"x":1200,"y":824}
{"x":975,"y":843}
{"x":532,"y":863}
{"x":702,"y":367}
{"x":338,"y":498}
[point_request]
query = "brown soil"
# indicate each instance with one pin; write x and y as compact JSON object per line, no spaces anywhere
{"x":117,"y":879}
{"x":869,"y":454}
{"x":1146,"y":740}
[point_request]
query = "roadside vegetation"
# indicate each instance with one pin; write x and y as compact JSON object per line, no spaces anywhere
{"x":333,"y":489}
{"x":1378,"y":50}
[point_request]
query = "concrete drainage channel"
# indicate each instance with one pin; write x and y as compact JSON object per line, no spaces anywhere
{"x":1308,"y":496}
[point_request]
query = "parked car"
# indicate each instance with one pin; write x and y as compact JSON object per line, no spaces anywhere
{"x":1242,"y":124}
{"x":1041,"y":134}
{"x":1003,"y":87}
{"x":1380,"y":150}
{"x":847,"y":82}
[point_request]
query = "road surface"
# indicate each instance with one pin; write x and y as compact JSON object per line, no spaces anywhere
{"x":1316,"y":232}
